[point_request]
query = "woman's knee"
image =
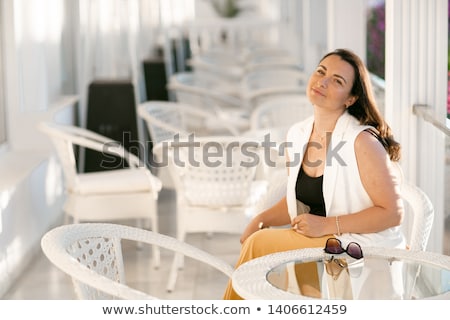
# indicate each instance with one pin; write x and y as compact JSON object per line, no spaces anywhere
{"x":253,"y":239}
{"x":266,"y":240}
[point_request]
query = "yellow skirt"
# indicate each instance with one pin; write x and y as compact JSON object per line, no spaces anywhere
{"x":269,"y":241}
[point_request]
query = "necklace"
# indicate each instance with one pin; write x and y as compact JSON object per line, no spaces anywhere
{"x":320,"y":136}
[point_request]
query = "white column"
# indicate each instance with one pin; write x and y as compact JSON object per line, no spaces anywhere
{"x":347,"y":25}
{"x":314,"y":32}
{"x":416,"y":73}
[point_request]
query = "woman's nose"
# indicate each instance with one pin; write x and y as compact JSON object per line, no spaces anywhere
{"x":323,"y":82}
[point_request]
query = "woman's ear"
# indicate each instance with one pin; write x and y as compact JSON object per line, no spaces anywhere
{"x":351,"y":101}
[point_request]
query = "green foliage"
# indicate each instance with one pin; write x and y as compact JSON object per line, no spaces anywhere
{"x":226,"y":8}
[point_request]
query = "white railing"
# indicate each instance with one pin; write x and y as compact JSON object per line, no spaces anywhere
{"x":424,"y":112}
{"x":378,"y":86}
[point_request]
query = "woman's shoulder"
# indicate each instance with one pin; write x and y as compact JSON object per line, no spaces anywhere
{"x":366,"y":143}
{"x":366,"y":139}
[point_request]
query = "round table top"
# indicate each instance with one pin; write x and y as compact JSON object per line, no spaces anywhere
{"x":251,"y":280}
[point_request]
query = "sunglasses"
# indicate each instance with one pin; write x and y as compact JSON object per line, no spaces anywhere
{"x":334,"y":246}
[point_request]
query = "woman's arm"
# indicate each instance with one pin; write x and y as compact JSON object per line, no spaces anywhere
{"x":277,"y":215}
{"x":378,"y":178}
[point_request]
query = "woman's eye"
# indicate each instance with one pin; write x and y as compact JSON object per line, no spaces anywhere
{"x":320,"y":71}
{"x":338,"y":81}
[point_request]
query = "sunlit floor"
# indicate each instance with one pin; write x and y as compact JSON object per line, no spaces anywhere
{"x":196,"y":281}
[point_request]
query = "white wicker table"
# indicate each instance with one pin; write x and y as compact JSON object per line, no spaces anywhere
{"x":416,"y":274}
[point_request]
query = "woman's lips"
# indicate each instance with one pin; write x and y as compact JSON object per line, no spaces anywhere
{"x":317,"y":92}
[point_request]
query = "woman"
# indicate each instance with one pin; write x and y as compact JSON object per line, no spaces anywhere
{"x":340,"y":167}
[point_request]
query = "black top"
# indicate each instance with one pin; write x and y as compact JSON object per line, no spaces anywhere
{"x":309,"y":191}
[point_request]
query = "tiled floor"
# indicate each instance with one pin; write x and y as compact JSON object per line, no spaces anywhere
{"x":195,"y":281}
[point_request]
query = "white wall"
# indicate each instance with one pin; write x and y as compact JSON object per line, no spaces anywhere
{"x":29,"y":206}
{"x":31,"y":193}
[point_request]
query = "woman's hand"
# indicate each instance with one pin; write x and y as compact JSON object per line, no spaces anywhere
{"x":309,"y":225}
{"x":277,"y":215}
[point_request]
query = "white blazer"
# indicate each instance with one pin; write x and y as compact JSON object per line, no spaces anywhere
{"x":343,"y":190}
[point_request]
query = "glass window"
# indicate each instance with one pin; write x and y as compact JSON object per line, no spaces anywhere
{"x":448,"y":63}
{"x":376,"y":27}
{"x":2,"y":100}
{"x":39,"y":35}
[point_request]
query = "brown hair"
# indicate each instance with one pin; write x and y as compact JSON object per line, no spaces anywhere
{"x":365,"y":108}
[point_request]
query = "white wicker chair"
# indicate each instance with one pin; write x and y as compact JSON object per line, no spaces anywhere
{"x":419,"y":216}
{"x":261,"y":84}
{"x":275,"y":160}
{"x":124,"y":193}
{"x":281,"y":112}
{"x":228,"y":66}
{"x":276,"y":190}
{"x":273,"y":117}
{"x":209,"y":94}
{"x":165,"y":119}
{"x":198,"y":89}
{"x":215,"y":186}
{"x":233,"y":66}
{"x":91,"y":254}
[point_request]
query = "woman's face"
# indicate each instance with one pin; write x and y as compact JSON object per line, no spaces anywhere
{"x":330,"y":84}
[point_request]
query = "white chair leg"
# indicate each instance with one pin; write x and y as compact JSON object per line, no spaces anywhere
{"x":68,"y":218}
{"x":178,"y":262}
{"x":155,"y":249}
{"x":151,"y":224}
{"x":156,"y":257}
{"x":139,"y":224}
{"x":174,"y":272}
